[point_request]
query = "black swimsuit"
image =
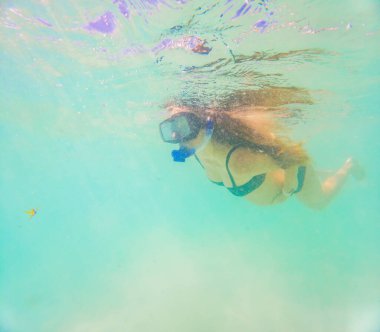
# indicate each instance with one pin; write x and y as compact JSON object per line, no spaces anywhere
{"x":255,"y":181}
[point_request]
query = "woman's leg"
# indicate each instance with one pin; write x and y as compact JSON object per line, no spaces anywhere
{"x":317,"y":194}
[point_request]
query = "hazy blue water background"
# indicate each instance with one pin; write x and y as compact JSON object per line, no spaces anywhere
{"x":126,"y":240}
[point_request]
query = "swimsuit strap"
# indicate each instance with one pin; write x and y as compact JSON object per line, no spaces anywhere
{"x":300,"y":178}
{"x":228,"y":161}
{"x":196,"y":157}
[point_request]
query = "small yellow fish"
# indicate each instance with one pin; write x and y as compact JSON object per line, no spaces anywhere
{"x":31,"y":212}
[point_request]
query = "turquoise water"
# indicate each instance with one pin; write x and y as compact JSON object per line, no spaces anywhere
{"x":126,"y":240}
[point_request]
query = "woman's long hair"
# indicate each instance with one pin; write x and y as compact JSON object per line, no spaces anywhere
{"x":248,"y":117}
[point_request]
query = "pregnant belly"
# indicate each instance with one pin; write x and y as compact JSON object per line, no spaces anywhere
{"x":270,"y":192}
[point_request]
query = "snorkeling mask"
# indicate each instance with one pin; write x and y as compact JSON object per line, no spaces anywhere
{"x":183,"y":127}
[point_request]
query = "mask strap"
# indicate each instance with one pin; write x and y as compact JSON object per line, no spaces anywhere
{"x":209,"y":129}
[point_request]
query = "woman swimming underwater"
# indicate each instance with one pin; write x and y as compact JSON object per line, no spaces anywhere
{"x":237,"y":146}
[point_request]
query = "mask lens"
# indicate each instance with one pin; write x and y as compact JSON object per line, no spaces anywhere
{"x":176,"y":130}
{"x":166,"y":131}
{"x":181,"y":127}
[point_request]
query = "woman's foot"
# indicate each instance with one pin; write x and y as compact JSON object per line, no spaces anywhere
{"x":355,"y":169}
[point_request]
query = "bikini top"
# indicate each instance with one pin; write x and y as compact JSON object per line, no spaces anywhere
{"x":245,"y":188}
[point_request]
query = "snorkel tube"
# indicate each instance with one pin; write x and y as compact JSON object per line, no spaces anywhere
{"x":184,"y":152}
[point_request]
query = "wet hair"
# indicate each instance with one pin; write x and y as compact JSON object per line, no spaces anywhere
{"x":249,"y":118}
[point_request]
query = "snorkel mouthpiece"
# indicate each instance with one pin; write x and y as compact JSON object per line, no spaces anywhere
{"x":181,"y":154}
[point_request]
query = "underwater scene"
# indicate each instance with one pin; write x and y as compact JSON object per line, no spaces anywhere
{"x":189,"y":166}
